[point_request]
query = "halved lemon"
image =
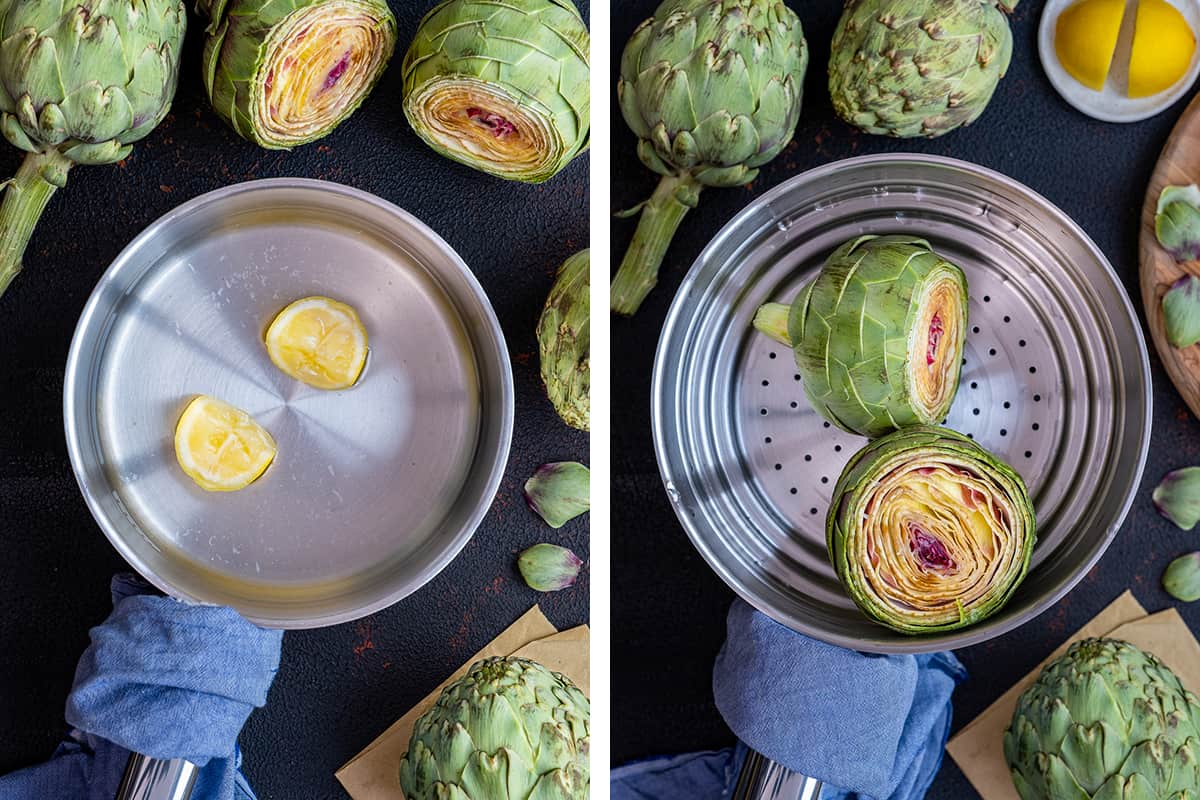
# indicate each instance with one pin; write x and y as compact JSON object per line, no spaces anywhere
{"x":1085,"y":39}
{"x":221,"y":447}
{"x":319,"y":341}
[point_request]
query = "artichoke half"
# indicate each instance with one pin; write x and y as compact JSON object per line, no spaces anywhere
{"x":509,"y":729}
{"x":80,"y":82}
{"x":918,"y":67}
{"x":929,"y":532}
{"x":501,"y":87}
{"x":712,"y":90}
{"x":877,"y":335}
{"x":1105,"y":721}
{"x":564,"y":342}
{"x":283,"y":73}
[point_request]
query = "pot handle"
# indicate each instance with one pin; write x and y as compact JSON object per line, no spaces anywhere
{"x":762,"y":779}
{"x":149,"y":778}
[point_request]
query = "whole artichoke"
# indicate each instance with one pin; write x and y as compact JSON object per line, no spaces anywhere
{"x":929,"y":532}
{"x":1105,"y":721}
{"x":878,"y":334}
{"x":509,"y":729}
{"x":501,"y":87}
{"x":283,"y":73}
{"x":80,"y":81}
{"x":918,"y":67}
{"x":712,"y":90}
{"x":564,"y":342}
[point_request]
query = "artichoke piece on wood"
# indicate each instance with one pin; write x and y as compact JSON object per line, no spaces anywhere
{"x":501,"y":87}
{"x":564,"y":342}
{"x":918,"y":67}
{"x":1105,"y":720}
{"x":712,"y":90}
{"x":929,"y":532}
{"x":1177,"y":221}
{"x":509,"y":729}
{"x":878,"y":334}
{"x":80,"y":82}
{"x":283,"y":73}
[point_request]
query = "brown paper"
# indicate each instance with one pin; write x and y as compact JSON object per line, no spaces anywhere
{"x":373,"y":773}
{"x":978,"y":748}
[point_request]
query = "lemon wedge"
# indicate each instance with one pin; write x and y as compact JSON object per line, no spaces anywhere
{"x":1163,"y":44}
{"x":1085,"y":38}
{"x":318,"y":341}
{"x":221,"y":447}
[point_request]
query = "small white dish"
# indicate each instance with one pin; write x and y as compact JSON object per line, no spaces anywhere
{"x":1111,"y":104}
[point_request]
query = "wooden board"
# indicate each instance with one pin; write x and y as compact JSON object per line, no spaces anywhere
{"x":1179,"y":164}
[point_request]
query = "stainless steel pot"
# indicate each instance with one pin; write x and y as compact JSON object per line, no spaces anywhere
{"x":374,"y":490}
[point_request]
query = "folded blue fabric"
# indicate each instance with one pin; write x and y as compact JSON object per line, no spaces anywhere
{"x":164,"y":678}
{"x":871,"y":727}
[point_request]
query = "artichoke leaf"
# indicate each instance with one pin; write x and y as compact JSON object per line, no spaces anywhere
{"x":1177,"y":497}
{"x":1181,"y":312}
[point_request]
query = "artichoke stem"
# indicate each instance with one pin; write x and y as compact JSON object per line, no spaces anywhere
{"x":660,"y":217}
{"x":771,"y":319}
{"x":24,"y":201}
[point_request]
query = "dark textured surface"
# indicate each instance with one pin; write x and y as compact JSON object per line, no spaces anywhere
{"x":338,"y":687}
{"x":1096,"y":172}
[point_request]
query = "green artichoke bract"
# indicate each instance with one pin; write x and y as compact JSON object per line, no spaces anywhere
{"x":509,"y":729}
{"x":1177,"y":497}
{"x":1177,"y":221}
{"x":878,"y":334}
{"x":548,"y":567}
{"x":712,"y":90}
{"x":918,"y":67}
{"x":1181,"y":312}
{"x":564,"y":342}
{"x":559,"y":492}
{"x":283,"y":73}
{"x":80,"y":81}
{"x":1182,"y":578}
{"x":928,"y":531}
{"x":1105,"y":721}
{"x":501,"y":87}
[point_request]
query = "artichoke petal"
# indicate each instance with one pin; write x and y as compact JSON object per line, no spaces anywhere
{"x":1177,"y":221}
{"x":558,"y":492}
{"x":109,"y":152}
{"x":102,"y":114}
{"x":1177,"y":497}
{"x":1182,"y":578}
{"x":1181,"y":312}
{"x":16,"y":135}
{"x":548,"y":567}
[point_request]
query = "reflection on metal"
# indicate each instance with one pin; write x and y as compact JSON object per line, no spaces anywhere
{"x":151,"y":779}
{"x":762,"y":779}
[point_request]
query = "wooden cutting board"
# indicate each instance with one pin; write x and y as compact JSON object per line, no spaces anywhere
{"x":1179,"y":164}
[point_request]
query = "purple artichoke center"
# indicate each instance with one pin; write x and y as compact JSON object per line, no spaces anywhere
{"x":339,"y":69}
{"x":498,"y":125}
{"x":936,"y":329}
{"x":929,"y":550}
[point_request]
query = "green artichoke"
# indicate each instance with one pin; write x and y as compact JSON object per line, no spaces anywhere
{"x":1105,"y":721}
{"x":283,"y":73}
{"x":712,"y":90}
{"x":918,"y":67}
{"x":509,"y":729}
{"x":928,"y":531}
{"x":564,"y":342}
{"x":80,"y":81}
{"x":878,"y":334}
{"x":1177,"y":221}
{"x":501,"y":86}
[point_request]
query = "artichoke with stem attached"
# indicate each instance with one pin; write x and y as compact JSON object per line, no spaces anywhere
{"x":501,"y":87}
{"x":929,"y":532}
{"x":564,"y":342}
{"x":918,"y":67}
{"x":80,"y":82}
{"x":877,"y":335}
{"x":283,"y":73}
{"x":509,"y":729}
{"x":1105,"y":721}
{"x":712,"y":90}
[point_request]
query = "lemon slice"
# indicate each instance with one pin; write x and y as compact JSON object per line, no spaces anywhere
{"x":318,"y":341}
{"x":221,"y":447}
{"x":1085,"y":39}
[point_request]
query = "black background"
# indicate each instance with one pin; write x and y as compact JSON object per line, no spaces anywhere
{"x":339,"y":687}
{"x":668,"y":608}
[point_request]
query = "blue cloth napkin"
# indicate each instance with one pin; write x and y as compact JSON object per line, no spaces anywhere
{"x":164,"y":678}
{"x":871,"y":727}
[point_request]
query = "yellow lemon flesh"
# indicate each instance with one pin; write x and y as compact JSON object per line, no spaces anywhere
{"x":319,"y":341}
{"x":1085,"y":39}
{"x":221,"y":447}
{"x":1163,"y":44}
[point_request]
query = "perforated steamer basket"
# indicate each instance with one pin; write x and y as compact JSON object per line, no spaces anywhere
{"x":1055,"y":381}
